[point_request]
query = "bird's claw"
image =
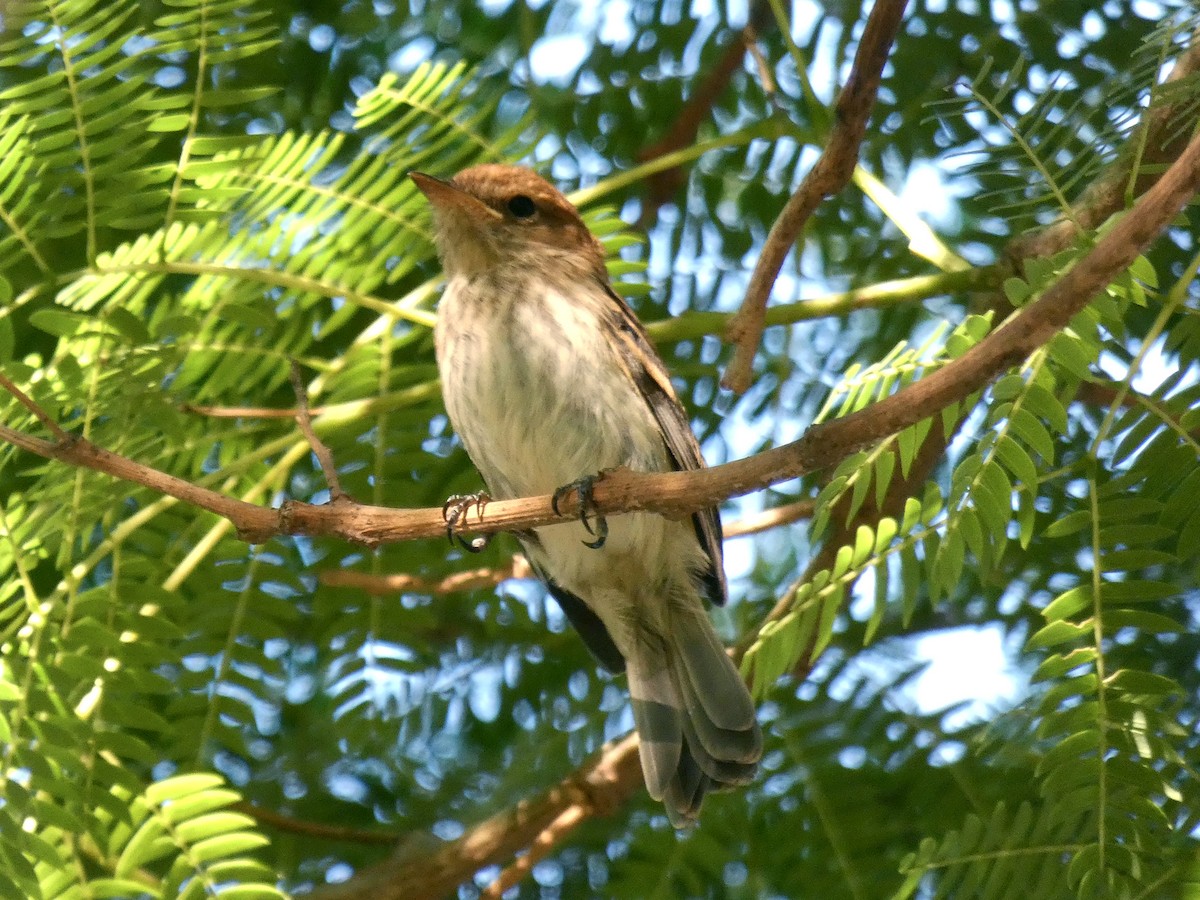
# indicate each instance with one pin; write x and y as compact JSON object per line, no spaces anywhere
{"x":587,"y":508}
{"x":454,"y":511}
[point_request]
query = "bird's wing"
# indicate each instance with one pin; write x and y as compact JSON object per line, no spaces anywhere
{"x":595,"y":636}
{"x":650,"y":375}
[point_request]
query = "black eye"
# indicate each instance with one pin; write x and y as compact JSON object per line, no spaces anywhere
{"x":521,"y":206}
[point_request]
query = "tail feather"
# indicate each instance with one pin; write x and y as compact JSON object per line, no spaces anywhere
{"x":722,"y":773}
{"x":658,"y":715}
{"x":686,"y":791}
{"x":695,"y":719}
{"x":715,"y":680}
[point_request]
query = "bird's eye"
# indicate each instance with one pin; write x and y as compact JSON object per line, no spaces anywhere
{"x":522,"y":207}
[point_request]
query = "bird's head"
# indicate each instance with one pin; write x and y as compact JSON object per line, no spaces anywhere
{"x":507,"y":217}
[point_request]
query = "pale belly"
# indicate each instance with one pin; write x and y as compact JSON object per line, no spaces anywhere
{"x":539,"y":401}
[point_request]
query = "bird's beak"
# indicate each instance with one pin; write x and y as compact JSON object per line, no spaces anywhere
{"x":446,"y":198}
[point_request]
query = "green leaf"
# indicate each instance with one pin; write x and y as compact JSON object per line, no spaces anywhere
{"x":1143,"y":683}
{"x":1071,"y":523}
{"x":1069,"y":603}
{"x":1058,"y":632}
{"x":211,"y":825}
{"x":179,"y":786}
{"x":59,"y":322}
{"x":177,"y":122}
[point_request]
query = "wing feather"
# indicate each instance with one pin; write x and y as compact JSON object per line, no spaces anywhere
{"x":650,"y":374}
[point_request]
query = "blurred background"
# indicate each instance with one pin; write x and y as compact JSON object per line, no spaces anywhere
{"x":196,"y":193}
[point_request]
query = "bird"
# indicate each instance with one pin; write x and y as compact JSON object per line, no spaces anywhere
{"x":549,"y":380}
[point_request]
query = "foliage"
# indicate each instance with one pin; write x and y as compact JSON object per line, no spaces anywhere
{"x":194,"y":194}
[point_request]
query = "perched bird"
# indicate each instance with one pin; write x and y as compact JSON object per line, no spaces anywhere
{"x":549,"y":379}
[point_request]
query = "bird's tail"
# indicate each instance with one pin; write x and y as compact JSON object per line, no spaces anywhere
{"x":696,"y":725}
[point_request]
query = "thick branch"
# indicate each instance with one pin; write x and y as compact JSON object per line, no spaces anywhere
{"x":601,"y":787}
{"x":829,"y":174}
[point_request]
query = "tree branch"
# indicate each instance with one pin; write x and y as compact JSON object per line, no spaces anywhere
{"x":317,"y":830}
{"x":554,"y":834}
{"x":516,"y":567}
{"x":319,"y":449}
{"x":676,"y":494}
{"x":1166,"y":131}
{"x":601,"y":787}
{"x":829,"y":174}
{"x":682,"y":133}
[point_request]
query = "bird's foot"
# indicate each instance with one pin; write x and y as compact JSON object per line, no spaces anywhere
{"x":455,"y":510}
{"x":596,"y":524}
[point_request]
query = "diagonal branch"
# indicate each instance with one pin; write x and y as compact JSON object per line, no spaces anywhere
{"x":682,"y":133}
{"x":320,"y":450}
{"x":677,"y":494}
{"x":829,"y":174}
{"x":601,"y":787}
{"x":1165,"y":131}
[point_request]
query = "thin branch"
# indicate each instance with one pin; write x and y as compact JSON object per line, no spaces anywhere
{"x":829,"y":174}
{"x":770,"y":518}
{"x":322,"y":452}
{"x":247,"y":412}
{"x":555,"y":833}
{"x":599,"y":788}
{"x":766,"y":77}
{"x":41,"y":415}
{"x":318,"y":830}
{"x":660,"y":186}
{"x":473,"y":579}
{"x":517,"y":566}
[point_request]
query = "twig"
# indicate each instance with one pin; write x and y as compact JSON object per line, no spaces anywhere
{"x":770,"y":518}
{"x":766,"y":77}
{"x":553,"y":835}
{"x":247,"y":412}
{"x":516,"y":567}
{"x":829,"y":174}
{"x":319,"y":830}
{"x":41,"y":415}
{"x":323,"y":454}
{"x":682,"y":133}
